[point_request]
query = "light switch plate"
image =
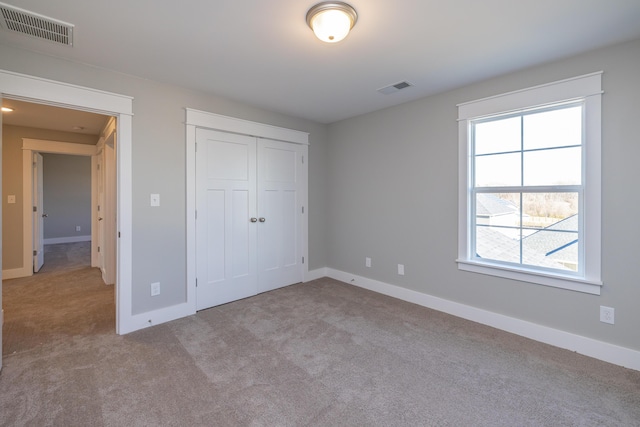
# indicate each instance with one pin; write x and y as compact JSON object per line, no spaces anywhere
{"x":155,"y":200}
{"x":155,"y":289}
{"x":11,"y":198}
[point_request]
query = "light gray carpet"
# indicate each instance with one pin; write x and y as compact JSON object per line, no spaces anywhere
{"x":66,"y":256}
{"x":318,"y":354}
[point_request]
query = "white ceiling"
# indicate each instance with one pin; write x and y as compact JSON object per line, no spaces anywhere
{"x":53,"y":118}
{"x":261,"y":52}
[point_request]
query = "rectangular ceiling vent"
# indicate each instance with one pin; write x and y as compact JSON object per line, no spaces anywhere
{"x":394,"y":88}
{"x":32,"y":24}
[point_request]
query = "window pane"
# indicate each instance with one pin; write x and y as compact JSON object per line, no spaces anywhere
{"x":498,"y":136}
{"x":549,"y":234}
{"x":550,"y":207}
{"x":555,"y":128}
{"x":498,"y":170}
{"x":492,"y":244}
{"x":498,"y":226}
{"x":561,"y":166}
{"x":555,"y":243}
{"x":501,"y":211}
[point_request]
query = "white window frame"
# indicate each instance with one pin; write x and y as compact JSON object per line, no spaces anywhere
{"x":586,"y":88}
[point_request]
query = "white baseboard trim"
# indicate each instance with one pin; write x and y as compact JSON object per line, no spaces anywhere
{"x":72,"y":239}
{"x":155,"y":317}
{"x":16,"y":273}
{"x":587,"y":346}
{"x":315,"y":274}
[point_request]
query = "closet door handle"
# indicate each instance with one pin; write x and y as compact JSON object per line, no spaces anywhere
{"x":262,"y":220}
{"x":254,"y":219}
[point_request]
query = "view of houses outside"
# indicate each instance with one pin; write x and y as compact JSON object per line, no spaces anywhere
{"x":546,"y":231}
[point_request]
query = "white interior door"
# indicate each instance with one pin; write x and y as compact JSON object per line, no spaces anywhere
{"x":109,"y":218}
{"x":99,"y":212}
{"x":38,"y":214}
{"x":280,"y":214}
{"x":226,"y":218}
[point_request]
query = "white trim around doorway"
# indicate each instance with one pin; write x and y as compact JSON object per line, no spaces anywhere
{"x":30,"y":146}
{"x":43,"y":91}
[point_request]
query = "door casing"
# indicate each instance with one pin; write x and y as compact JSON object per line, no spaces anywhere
{"x":43,"y":91}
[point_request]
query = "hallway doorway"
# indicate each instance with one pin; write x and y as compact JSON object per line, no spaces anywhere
{"x":17,"y":86}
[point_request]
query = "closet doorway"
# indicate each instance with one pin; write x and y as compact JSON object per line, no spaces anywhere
{"x":247,"y":208}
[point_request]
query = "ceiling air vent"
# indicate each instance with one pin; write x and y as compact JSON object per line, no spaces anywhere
{"x":394,"y":88}
{"x":32,"y":24}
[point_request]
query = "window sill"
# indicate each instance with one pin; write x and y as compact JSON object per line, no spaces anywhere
{"x":553,"y":280}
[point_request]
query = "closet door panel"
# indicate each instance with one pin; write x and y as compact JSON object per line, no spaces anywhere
{"x":226,"y":268}
{"x":279,"y":242}
{"x":215,"y":228}
{"x":290,"y":219}
{"x":238,"y":240}
{"x":269,"y":209}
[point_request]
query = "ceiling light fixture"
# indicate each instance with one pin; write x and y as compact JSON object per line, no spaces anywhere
{"x":7,"y":109}
{"x":331,"y":21}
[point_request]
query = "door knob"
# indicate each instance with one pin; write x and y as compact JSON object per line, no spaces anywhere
{"x":254,"y":219}
{"x":45,"y":215}
{"x":262,"y":220}
{"x":99,"y":219}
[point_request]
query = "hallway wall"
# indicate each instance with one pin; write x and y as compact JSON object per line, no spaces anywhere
{"x":12,"y":241}
{"x":67,"y":198}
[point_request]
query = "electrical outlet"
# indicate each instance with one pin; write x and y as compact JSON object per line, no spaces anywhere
{"x":607,"y":315}
{"x":367,"y":262}
{"x":155,"y":289}
{"x":78,"y":228}
{"x":401,"y":269}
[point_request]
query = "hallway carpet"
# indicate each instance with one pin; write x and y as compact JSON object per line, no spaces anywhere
{"x":66,"y":256}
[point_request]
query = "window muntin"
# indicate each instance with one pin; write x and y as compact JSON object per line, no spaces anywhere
{"x":526,"y":181}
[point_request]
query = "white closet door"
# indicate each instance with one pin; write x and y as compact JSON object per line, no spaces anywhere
{"x":280,"y":214}
{"x":226,"y":203}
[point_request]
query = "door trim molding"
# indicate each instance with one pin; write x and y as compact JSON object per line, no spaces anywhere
{"x":50,"y":92}
{"x":214,"y":121}
{"x":200,"y":119}
{"x":30,"y":146}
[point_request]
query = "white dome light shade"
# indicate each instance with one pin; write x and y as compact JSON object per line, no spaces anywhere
{"x":331,"y":21}
{"x":331,"y":26}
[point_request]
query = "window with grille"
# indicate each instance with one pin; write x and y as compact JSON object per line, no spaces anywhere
{"x":530,"y":185}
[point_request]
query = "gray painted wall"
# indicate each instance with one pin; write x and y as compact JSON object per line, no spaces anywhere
{"x":384,"y":185}
{"x":12,"y":184}
{"x":159,"y":167}
{"x":392,"y":196}
{"x":67,"y":195}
